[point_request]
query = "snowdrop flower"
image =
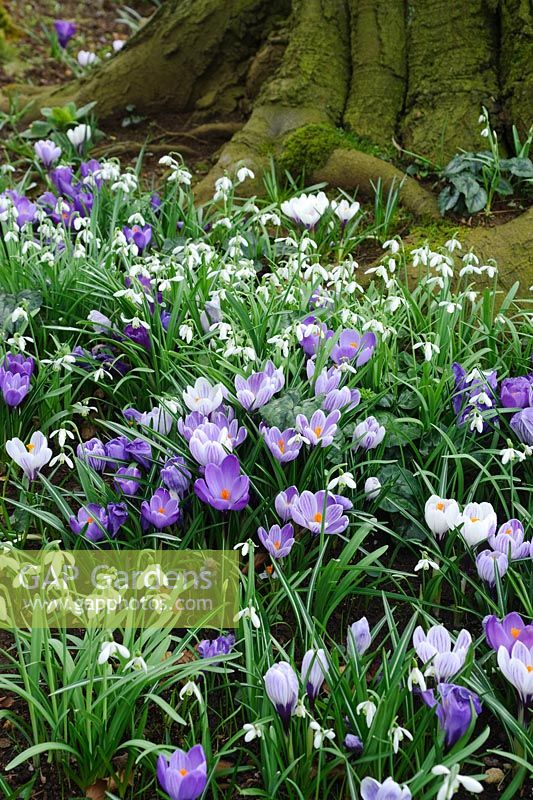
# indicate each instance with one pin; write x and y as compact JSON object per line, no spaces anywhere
{"x":79,"y":135}
{"x":416,"y":678}
{"x":430,"y":349}
{"x":31,"y":457}
{"x":243,"y":173}
{"x":186,"y":332}
{"x":369,"y":710}
{"x":391,"y":244}
{"x":85,"y":58}
{"x":248,"y":613}
{"x":342,"y":480}
{"x":65,"y":361}
{"x":321,"y":734}
{"x":19,"y":313}
{"x":510,"y":454}
{"x":453,"y":782}
{"x":62,"y":435}
{"x":441,"y":515}
{"x":189,"y":690}
{"x":252,"y":731}
{"x":62,"y":458}
{"x":453,"y":244}
{"x":426,"y":563}
{"x":138,"y":663}
{"x":244,"y":547}
{"x":372,"y":488}
{"x":111,"y":649}
{"x":223,"y":187}
{"x":118,"y":44}
{"x":397,"y":735}
{"x":19,"y":341}
{"x":450,"y":307}
{"x":479,"y":522}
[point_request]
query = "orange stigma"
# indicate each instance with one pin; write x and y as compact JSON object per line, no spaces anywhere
{"x":224,"y":494}
{"x":277,"y":544}
{"x":474,"y":519}
{"x":515,"y":632}
{"x":318,"y":430}
{"x":160,"y":510}
{"x":183,"y":772}
{"x":90,"y":520}
{"x":440,"y":506}
{"x":281,"y":445}
{"x":318,"y":517}
{"x":30,"y":447}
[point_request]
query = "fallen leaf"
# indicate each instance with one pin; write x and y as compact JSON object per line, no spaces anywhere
{"x":5,"y":743}
{"x":7,"y":702}
{"x":97,"y":790}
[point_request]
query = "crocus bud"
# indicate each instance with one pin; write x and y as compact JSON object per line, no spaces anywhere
{"x":281,"y":686}
{"x":315,"y":667}
{"x":359,"y":638}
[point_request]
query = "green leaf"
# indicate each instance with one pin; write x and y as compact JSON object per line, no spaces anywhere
{"x":400,"y":488}
{"x":400,"y":432}
{"x":37,"y":749}
{"x":521,"y":167}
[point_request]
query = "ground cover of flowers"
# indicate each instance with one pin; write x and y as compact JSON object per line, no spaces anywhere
{"x":176,"y":376}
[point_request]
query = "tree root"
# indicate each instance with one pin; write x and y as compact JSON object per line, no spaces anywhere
{"x":511,"y":246}
{"x":350,"y":169}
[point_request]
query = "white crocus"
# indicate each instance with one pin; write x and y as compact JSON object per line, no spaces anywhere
{"x":79,"y":135}
{"x":111,"y":649}
{"x":453,"y":781}
{"x":31,"y":457}
{"x":441,"y":515}
{"x":204,"y":397}
{"x":479,"y":522}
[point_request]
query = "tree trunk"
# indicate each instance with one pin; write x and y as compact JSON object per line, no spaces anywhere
{"x":328,"y":78}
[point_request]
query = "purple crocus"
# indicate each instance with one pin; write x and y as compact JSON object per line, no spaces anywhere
{"x":277,"y":541}
{"x":176,"y":476}
{"x":436,"y":647}
{"x":522,"y":425}
{"x":319,"y":430}
{"x":118,"y":514}
{"x":455,"y":710}
{"x":371,"y":789}
{"x":65,"y":30}
{"x":319,"y":512}
{"x":17,"y":365}
{"x":223,"y":487}
{"x":341,"y":398}
{"x":260,"y":387}
{"x":93,"y":453}
{"x":25,"y":210}
{"x":140,"y":236}
{"x":368,"y":434}
{"x":311,"y":333}
{"x":281,"y":686}
{"x":505,"y":632}
{"x":489,"y":563}
{"x":15,"y":388}
{"x":127,"y":479}
{"x":315,"y":668}
{"x":359,"y":638}
{"x":140,"y":451}
{"x":158,"y":419}
{"x":161,"y":510}
{"x":210,"y":444}
{"x":117,"y":449}
{"x":351,"y":345}
{"x":510,"y":540}
{"x":517,"y":666}
{"x":47,"y":151}
{"x":284,"y":445}
{"x":327,"y":381}
{"x":353,"y":744}
{"x":221,"y":646}
{"x":139,"y":335}
{"x":517,"y":392}
{"x":184,"y":776}
{"x":284,"y":503}
{"x":92,"y":522}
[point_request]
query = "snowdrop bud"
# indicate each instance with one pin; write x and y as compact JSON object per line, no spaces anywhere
{"x":372,"y":488}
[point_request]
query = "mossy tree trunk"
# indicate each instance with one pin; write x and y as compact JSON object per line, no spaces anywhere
{"x":416,"y":71}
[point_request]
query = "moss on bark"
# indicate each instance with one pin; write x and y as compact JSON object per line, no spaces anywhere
{"x":379,"y":68}
{"x":516,"y":62}
{"x":452,"y":52}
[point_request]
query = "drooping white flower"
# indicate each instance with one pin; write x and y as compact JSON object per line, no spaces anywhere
{"x":397,"y":734}
{"x":342,"y":480}
{"x":243,"y":173}
{"x":369,"y":709}
{"x":426,"y":563}
{"x":110,"y":649}
{"x":137,"y":663}
{"x":248,"y":613}
{"x":321,"y":734}
{"x":252,"y":731}
{"x":453,"y":781}
{"x":430,"y":349}
{"x":189,"y":690}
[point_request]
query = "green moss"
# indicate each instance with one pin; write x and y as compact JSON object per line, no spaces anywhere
{"x":435,"y":231}
{"x":310,"y":146}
